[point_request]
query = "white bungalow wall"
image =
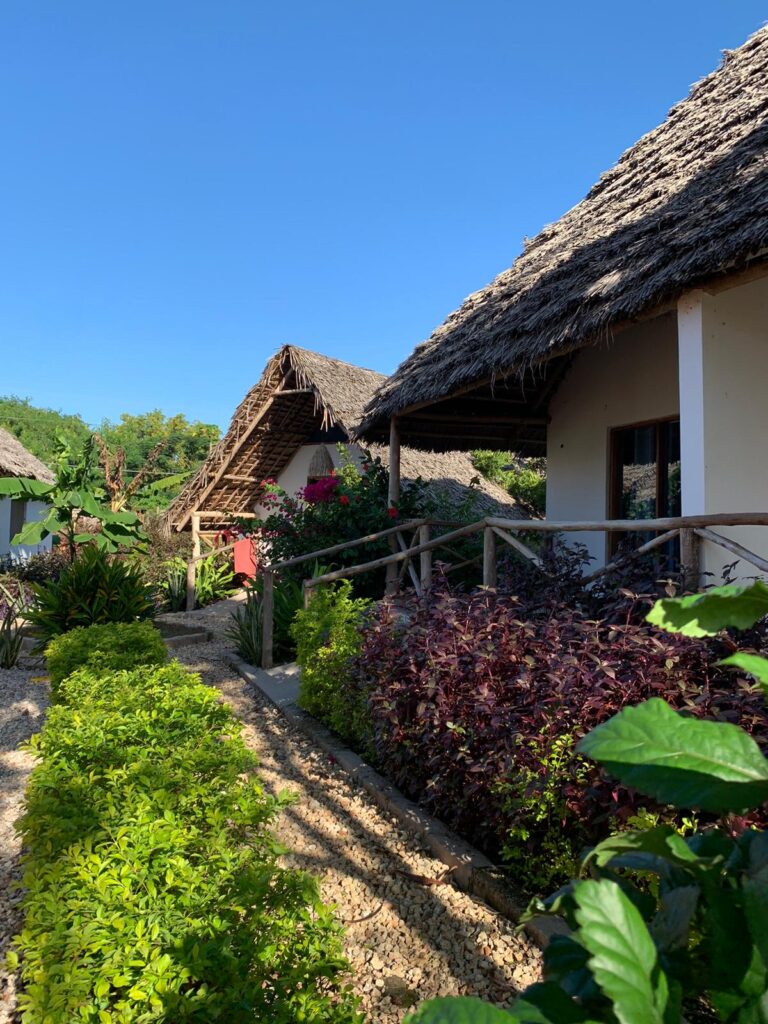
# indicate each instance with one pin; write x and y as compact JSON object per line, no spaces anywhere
{"x":724,"y":421}
{"x":35,"y":510}
{"x":631,"y":381}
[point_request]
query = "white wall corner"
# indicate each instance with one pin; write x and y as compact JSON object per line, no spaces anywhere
{"x":690,"y":341}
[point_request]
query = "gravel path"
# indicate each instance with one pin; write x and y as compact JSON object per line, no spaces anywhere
{"x":406,"y":941}
{"x":23,"y":700}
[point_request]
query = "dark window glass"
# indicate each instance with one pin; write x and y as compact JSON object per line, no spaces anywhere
{"x":18,"y":515}
{"x":645,"y":477}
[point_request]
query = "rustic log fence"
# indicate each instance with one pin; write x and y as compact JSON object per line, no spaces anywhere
{"x":417,"y":539}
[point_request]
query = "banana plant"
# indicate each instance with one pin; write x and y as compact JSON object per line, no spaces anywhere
{"x":72,"y":495}
{"x":662,"y":927}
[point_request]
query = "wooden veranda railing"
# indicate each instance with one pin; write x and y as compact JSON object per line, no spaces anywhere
{"x":416,"y":540}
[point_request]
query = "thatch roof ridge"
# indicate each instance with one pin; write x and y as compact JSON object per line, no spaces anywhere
{"x":339,"y":392}
{"x":342,"y":388}
{"x":684,"y":204}
{"x":15,"y":460}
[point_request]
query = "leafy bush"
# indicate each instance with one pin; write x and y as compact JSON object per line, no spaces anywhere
{"x":474,"y":707}
{"x":10,"y":637}
{"x":245,"y":630}
{"x":103,"y":649}
{"x":666,"y":926}
{"x":162,"y":545}
{"x":328,"y":635}
{"x":214,"y":580}
{"x":153,"y":889}
{"x":39,"y":568}
{"x":350,"y":504}
{"x":525,"y":479}
{"x":95,"y":588}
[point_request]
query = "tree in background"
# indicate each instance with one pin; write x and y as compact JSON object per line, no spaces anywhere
{"x":184,"y":445}
{"x":39,"y":430}
{"x":524,"y":479}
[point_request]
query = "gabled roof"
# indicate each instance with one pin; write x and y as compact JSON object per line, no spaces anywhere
{"x":300,"y":394}
{"x":686,"y":204}
{"x":15,"y":460}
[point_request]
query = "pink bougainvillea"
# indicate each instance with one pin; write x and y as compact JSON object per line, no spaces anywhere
{"x":320,"y":491}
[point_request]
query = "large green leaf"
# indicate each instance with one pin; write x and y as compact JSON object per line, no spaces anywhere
{"x":23,"y":487}
{"x":682,"y":761}
{"x":622,"y":955}
{"x":460,"y":1011}
{"x":547,"y":1003}
{"x":751,"y":663}
{"x":706,"y":614}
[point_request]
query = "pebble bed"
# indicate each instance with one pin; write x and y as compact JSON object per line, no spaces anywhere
{"x":23,"y":700}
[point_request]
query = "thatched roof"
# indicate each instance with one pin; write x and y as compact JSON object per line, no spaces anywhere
{"x":303,"y":398}
{"x":15,"y":460}
{"x":685,"y":205}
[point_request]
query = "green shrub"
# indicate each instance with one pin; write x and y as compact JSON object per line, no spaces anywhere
{"x":328,"y":635}
{"x":153,"y":889}
{"x":95,"y":588}
{"x":107,"y":648}
{"x":245,"y":630}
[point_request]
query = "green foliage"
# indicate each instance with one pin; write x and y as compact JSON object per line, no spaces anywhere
{"x":666,"y":923}
{"x":160,"y":547}
{"x":535,"y":799}
{"x":246,"y":629}
{"x":39,"y":429}
{"x":706,"y":614}
{"x":185,"y":444}
{"x":352,"y":503}
{"x":328,"y":635}
{"x":95,"y":588}
{"x":72,"y":495}
{"x":214,"y":580}
{"x":10,"y":636}
{"x":153,"y":887}
{"x":526,"y":481}
{"x":102,"y":649}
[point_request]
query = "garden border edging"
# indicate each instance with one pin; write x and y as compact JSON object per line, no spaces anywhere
{"x":472,"y":870}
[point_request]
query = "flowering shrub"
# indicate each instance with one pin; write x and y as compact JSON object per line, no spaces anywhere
{"x":353,"y":503}
{"x":475,"y":707}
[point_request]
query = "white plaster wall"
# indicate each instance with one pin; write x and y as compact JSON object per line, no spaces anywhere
{"x":294,"y":477}
{"x":632,"y":380}
{"x":734,"y":330}
{"x":35,"y":510}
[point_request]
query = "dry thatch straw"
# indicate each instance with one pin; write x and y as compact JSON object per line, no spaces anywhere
{"x":15,"y":460}
{"x":303,"y":397}
{"x":686,"y":204}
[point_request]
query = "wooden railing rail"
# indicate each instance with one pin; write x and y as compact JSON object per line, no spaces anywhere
{"x":690,"y":529}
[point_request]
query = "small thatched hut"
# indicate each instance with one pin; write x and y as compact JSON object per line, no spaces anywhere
{"x":16,"y":461}
{"x":629,"y":340}
{"x":288,"y":427}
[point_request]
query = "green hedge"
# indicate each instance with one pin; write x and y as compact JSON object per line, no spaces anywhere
{"x":108,"y":648}
{"x":153,"y":886}
{"x":328,"y":635}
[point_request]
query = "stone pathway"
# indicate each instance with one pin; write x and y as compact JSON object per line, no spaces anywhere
{"x":407,"y":941}
{"x":23,"y":700}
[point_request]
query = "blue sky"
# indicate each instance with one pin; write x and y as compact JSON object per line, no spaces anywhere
{"x":185,"y":186}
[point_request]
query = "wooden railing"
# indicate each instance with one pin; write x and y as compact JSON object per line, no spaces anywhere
{"x":415,"y":539}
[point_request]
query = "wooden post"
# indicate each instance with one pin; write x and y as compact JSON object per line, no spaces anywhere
{"x":690,"y":559}
{"x":267,"y":619}
{"x":191,"y":575}
{"x":489,"y":557}
{"x":425,"y":558}
{"x":192,"y":565}
{"x":306,"y":593}
{"x":394,"y":498}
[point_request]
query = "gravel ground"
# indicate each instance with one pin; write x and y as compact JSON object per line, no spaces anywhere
{"x":406,"y":940}
{"x":23,"y":700}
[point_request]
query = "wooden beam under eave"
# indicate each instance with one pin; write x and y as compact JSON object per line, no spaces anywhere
{"x":394,"y":462}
